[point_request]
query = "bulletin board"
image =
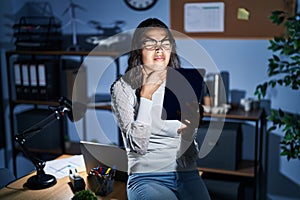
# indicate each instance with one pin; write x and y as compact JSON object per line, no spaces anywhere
{"x":241,"y":18}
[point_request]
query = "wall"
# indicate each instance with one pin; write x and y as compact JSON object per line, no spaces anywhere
{"x":246,"y":60}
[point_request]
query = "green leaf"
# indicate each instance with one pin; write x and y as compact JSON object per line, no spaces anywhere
{"x":272,"y":128}
{"x":272,"y":83}
{"x":276,"y":58}
{"x":281,"y":113}
{"x":279,"y":82}
{"x":284,"y":68}
{"x":287,"y":80}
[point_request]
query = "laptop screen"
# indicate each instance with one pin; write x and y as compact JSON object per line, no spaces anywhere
{"x":105,"y":155}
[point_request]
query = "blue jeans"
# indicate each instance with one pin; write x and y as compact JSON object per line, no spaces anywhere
{"x":168,"y":185}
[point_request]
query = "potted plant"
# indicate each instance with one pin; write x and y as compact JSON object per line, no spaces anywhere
{"x":84,"y":195}
{"x":284,"y":70}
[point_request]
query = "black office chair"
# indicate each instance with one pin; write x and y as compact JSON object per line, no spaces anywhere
{"x":5,"y":177}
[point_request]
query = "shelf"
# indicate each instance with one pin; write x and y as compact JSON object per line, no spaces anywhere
{"x":100,"y":106}
{"x":245,"y":169}
{"x":42,"y":151}
{"x":72,"y":148}
{"x":248,"y":170}
{"x":50,"y":103}
{"x":239,"y":114}
{"x":57,"y":55}
{"x":113,"y":54}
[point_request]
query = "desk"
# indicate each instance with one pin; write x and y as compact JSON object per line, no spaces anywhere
{"x":61,"y":190}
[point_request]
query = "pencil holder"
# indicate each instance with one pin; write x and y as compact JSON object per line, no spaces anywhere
{"x":101,"y":184}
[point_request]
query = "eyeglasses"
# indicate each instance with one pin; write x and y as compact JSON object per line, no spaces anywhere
{"x":151,"y":44}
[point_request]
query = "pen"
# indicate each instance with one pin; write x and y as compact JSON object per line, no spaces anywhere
{"x":108,"y":170}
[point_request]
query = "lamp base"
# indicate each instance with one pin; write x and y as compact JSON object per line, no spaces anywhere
{"x":41,"y":181}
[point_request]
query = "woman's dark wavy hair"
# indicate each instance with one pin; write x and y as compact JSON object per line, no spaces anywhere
{"x":133,"y":74}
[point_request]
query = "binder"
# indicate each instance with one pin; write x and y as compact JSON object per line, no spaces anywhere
{"x":25,"y":81}
{"x":18,"y":80}
{"x":33,"y":81}
{"x":48,"y":80}
{"x":42,"y":82}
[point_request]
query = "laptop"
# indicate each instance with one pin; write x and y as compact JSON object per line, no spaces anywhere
{"x":183,"y":85}
{"x":95,"y":154}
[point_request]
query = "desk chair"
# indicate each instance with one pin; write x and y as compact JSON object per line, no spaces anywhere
{"x":5,"y":177}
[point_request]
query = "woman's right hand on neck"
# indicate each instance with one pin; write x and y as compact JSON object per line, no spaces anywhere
{"x":152,"y":81}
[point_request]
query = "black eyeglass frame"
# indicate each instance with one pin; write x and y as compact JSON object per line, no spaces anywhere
{"x":155,"y":44}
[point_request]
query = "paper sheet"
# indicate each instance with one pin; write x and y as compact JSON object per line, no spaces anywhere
{"x":61,"y":167}
{"x":204,"y":17}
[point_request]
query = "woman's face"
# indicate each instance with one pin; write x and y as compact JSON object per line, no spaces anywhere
{"x":156,"y":50}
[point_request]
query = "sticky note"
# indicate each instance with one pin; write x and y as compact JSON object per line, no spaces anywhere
{"x":243,"y":14}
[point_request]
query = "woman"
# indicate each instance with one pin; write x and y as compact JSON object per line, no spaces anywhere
{"x":161,"y":153}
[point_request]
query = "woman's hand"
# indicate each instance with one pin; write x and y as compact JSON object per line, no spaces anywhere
{"x":152,"y":81}
{"x":191,"y":118}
